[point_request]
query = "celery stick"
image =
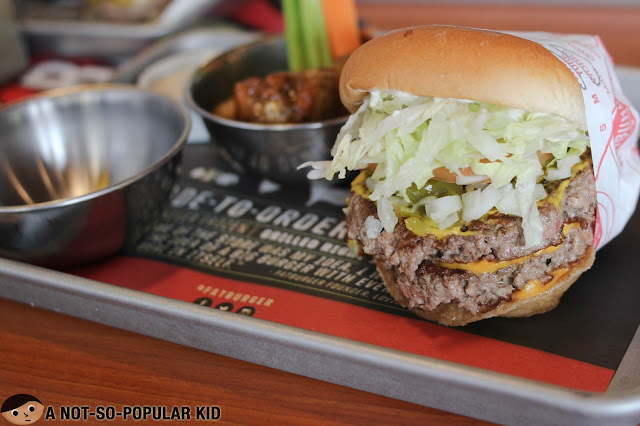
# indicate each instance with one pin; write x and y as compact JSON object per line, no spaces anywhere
{"x":321,"y":38}
{"x":308,"y":24}
{"x":293,"y":36}
{"x":306,"y":35}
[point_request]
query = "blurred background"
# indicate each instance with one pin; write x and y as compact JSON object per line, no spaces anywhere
{"x":98,"y":40}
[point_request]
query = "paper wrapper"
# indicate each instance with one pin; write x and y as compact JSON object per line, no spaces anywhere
{"x":612,"y":123}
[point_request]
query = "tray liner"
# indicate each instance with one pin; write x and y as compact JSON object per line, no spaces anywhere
{"x":236,"y":242}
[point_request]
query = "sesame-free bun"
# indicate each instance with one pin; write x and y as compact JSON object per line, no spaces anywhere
{"x":452,"y":315}
{"x":463,"y":63}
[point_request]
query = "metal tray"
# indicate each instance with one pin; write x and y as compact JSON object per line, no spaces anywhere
{"x":443,"y":384}
{"x":421,"y":380}
{"x":424,"y":380}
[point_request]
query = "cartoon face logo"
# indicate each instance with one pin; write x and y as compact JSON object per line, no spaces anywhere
{"x":22,"y":409}
{"x":225,"y":306}
{"x":247,"y":310}
{"x":203,"y":301}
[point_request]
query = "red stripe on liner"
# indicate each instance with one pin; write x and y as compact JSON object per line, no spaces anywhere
{"x":350,"y":322}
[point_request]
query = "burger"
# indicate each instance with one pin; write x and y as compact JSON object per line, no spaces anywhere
{"x":475,"y":194}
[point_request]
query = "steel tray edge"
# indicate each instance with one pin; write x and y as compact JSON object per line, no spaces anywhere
{"x":174,"y":16}
{"x":430,"y":382}
{"x":188,"y":39}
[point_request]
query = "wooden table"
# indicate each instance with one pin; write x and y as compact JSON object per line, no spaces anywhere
{"x":66,"y":361}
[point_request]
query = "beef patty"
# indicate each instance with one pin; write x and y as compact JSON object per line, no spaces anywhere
{"x":420,"y":262}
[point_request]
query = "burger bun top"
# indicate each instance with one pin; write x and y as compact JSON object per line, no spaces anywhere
{"x":463,"y":63}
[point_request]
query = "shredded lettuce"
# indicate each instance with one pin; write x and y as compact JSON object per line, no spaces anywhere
{"x":408,"y":137}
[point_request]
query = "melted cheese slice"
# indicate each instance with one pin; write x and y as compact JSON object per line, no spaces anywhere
{"x":535,"y":287}
{"x":484,"y":266}
{"x":487,"y":266}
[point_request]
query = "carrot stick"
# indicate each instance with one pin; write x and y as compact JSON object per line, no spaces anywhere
{"x":341,"y":20}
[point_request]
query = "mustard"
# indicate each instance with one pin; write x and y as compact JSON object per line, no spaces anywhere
{"x":359,"y":185}
{"x":422,"y":225}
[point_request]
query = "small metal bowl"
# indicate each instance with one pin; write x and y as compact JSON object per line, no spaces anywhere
{"x":85,"y":170}
{"x":269,"y":150}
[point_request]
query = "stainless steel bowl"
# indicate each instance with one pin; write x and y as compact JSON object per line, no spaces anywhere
{"x":270,"y":150}
{"x":84,"y":171}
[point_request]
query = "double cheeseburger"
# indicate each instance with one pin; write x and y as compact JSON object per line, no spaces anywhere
{"x":476,"y":195}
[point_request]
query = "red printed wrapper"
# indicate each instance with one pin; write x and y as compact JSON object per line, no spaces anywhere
{"x":612,"y":123}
